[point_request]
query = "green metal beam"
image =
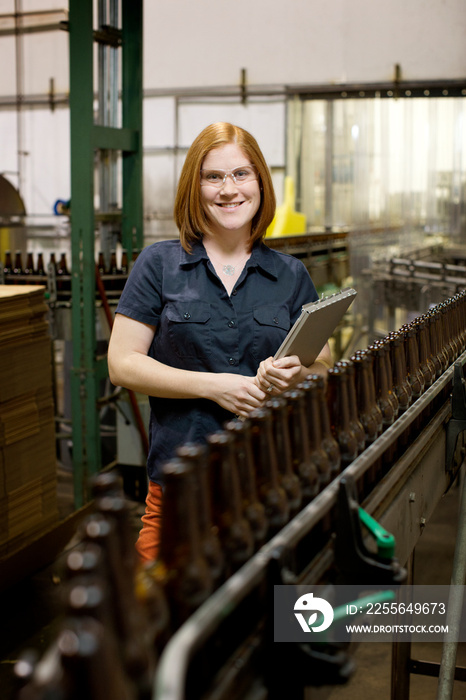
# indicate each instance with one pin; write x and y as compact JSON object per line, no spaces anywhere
{"x":86,"y":433}
{"x":107,"y":137}
{"x":86,"y":138}
{"x":132,"y":85}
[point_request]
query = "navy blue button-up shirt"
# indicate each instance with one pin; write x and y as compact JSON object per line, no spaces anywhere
{"x":200,"y":327}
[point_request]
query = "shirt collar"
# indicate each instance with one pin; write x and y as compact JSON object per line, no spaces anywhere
{"x":262,"y":256}
{"x":198,"y":253}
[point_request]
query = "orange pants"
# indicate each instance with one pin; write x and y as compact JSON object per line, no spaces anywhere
{"x":148,"y":543}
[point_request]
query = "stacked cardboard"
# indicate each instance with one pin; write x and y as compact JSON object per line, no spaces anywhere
{"x":28,"y":475}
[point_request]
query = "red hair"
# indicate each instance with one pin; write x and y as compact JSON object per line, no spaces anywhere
{"x":189,"y":213}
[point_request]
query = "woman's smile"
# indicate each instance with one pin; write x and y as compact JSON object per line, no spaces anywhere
{"x":233,"y":205}
{"x":229,"y":205}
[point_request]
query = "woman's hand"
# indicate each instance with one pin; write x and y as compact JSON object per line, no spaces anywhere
{"x":238,"y":394}
{"x":130,"y":366}
{"x":277,"y":376}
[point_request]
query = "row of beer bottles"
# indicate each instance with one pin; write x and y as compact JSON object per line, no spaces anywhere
{"x":368,"y":392}
{"x":225,"y":499}
{"x":222,"y":501}
{"x":14,"y":266}
{"x":116,"y":619}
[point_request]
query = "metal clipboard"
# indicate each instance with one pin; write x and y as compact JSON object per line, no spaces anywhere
{"x":315,"y":325}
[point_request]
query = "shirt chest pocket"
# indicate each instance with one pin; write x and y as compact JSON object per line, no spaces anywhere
{"x":271,"y":324}
{"x":189,"y":328}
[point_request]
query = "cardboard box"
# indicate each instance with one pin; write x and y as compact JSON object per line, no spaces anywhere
{"x":28,"y":471}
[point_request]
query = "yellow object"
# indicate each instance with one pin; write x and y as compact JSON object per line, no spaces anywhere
{"x":4,"y":241}
{"x":287,"y":221}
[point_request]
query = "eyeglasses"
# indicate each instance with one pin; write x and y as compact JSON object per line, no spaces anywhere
{"x":217,"y":178}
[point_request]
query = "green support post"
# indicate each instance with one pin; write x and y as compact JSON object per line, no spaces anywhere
{"x":86,"y":138}
{"x":86,"y":437}
{"x":132,"y":221}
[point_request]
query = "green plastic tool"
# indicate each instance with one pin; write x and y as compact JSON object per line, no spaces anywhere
{"x":385,"y":541}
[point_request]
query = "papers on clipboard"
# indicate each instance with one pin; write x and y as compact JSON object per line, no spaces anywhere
{"x":315,"y":325}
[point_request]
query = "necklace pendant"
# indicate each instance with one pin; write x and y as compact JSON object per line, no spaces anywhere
{"x":228,"y":270}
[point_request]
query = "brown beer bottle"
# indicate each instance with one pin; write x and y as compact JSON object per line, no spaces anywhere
{"x":436,"y":357}
{"x":451,"y":333}
{"x":303,"y":466}
{"x":18,"y":266}
{"x":112,"y":271}
{"x":459,"y":329}
{"x":89,"y":665}
{"x":151,"y":596}
{"x":355,"y":424}
{"x":253,"y":509}
{"x":113,"y":267}
{"x":271,"y":492}
{"x":289,"y":480}
{"x":448,"y":344}
{"x":124,"y":262}
{"x":197,"y":456}
{"x":111,"y":501}
{"x":107,"y":483}
{"x":63,"y":275}
{"x":62,"y":265}
{"x":448,"y":303}
{"x":382,"y":391}
{"x":85,"y":589}
{"x":415,"y":376}
{"x":8,"y":264}
{"x":461,"y":296}
{"x":455,"y":324}
{"x":86,"y":558}
{"x":137,"y":658}
{"x":40,"y":270}
{"x":453,"y":306}
{"x":444,"y":350}
{"x":369,"y":368}
{"x":386,"y":400}
{"x":53,"y":262}
{"x":101,"y":263}
{"x":234,"y":531}
{"x":87,"y":596}
{"x":329,"y":444}
{"x":425,"y":354}
{"x":402,"y":387}
{"x":317,"y":453}
{"x":181,"y":569}
{"x":364,"y":398}
{"x":385,"y":343}
{"x":337,"y":396}
{"x":29,"y":269}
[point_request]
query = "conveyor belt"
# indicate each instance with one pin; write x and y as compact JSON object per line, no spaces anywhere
{"x":403,"y":501}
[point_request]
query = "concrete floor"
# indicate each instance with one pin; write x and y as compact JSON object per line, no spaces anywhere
{"x":30,"y":618}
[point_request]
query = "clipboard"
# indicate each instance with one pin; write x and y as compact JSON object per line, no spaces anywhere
{"x":315,"y":325}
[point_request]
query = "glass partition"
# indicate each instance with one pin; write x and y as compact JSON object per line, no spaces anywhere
{"x":380,"y":162}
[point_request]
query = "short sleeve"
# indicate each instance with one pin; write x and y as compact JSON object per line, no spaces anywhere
{"x":141,"y":298}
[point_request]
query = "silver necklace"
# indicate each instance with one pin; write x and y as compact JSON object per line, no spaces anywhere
{"x":230,"y":270}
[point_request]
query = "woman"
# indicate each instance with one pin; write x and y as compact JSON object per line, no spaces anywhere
{"x":200,"y":318}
